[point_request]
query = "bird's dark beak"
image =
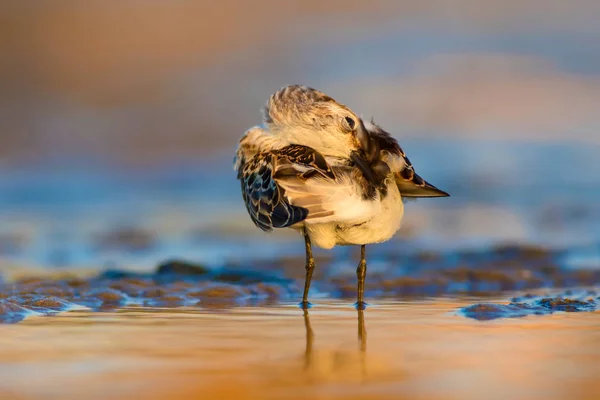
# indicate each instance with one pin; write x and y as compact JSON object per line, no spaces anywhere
{"x":369,"y":146}
{"x":416,"y":186}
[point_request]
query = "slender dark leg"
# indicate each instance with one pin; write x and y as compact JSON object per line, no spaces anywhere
{"x":310,"y":266}
{"x":361,"y":272}
{"x":309,"y":340}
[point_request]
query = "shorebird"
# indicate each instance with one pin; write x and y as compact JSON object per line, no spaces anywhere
{"x":317,"y":167}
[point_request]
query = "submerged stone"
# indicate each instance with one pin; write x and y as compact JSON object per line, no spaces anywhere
{"x":527,"y":305}
{"x":42,"y":304}
{"x":107,"y":295}
{"x":76,"y":283}
{"x":489,"y":311}
{"x":567,"y":305}
{"x":178,"y":267}
{"x":166,"y":300}
{"x":269,"y":290}
{"x":221,"y":291}
{"x":101,"y":298}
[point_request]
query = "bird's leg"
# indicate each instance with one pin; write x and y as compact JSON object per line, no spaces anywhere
{"x":310,"y":266}
{"x":361,"y":272}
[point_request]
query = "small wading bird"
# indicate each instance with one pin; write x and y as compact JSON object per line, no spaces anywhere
{"x":317,"y":167}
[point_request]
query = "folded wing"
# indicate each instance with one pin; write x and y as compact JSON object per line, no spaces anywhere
{"x":276,"y":186}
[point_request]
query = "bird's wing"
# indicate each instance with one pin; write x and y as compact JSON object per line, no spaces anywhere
{"x":265,"y":200}
{"x":285,"y":186}
{"x":328,"y":193}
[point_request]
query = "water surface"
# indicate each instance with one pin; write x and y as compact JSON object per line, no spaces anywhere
{"x":394,"y":350}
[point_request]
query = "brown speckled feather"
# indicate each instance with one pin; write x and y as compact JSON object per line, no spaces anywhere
{"x":264,"y":196}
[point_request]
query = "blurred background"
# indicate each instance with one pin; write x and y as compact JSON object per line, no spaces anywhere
{"x":119,"y":120}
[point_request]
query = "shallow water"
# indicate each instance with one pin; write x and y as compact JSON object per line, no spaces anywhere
{"x":413,"y":349}
{"x":72,"y":329}
{"x":73,"y":217}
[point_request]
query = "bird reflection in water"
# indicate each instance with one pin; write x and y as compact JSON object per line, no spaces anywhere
{"x":310,"y":336}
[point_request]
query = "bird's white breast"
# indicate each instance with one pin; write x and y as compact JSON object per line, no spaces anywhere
{"x":381,"y":221}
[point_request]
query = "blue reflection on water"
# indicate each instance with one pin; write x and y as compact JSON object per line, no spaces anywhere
{"x":552,"y":189}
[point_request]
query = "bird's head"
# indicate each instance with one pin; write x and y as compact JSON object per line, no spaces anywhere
{"x":306,"y":116}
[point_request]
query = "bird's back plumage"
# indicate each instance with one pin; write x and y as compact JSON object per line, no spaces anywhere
{"x":302,"y":169}
{"x":284,"y":184}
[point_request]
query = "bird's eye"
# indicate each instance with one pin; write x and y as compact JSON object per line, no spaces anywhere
{"x":349,"y":123}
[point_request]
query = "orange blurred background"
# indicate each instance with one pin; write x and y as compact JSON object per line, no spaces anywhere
{"x":137,"y":82}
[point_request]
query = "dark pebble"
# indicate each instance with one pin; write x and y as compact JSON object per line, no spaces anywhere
{"x":177,"y":267}
{"x":42,"y":304}
{"x":221,"y":291}
{"x":101,"y":298}
{"x":486,"y":312}
{"x":76,"y":282}
{"x":537,"y":306}
{"x":182,"y":286}
{"x":565,"y":304}
{"x":132,"y":287}
{"x":271,"y":291}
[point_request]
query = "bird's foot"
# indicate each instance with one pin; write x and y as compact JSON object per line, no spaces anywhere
{"x":360,"y":305}
{"x":305,"y":304}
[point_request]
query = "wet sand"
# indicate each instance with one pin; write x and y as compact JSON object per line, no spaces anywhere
{"x":394,"y":350}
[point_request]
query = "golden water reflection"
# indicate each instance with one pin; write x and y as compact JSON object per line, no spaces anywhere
{"x":310,"y":337}
{"x":417,"y":349}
